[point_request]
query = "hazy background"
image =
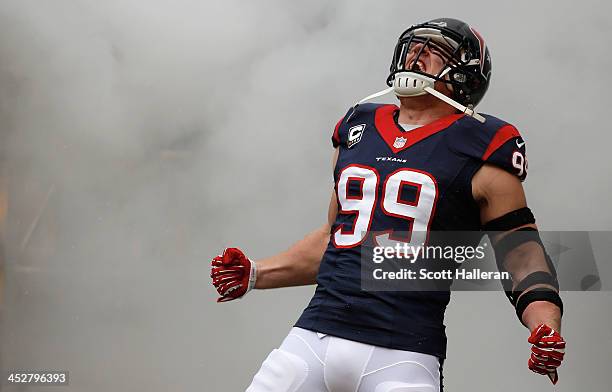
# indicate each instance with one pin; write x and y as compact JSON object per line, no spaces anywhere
{"x":140,"y":138}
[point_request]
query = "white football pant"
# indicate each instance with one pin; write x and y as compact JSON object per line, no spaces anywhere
{"x":308,"y":361}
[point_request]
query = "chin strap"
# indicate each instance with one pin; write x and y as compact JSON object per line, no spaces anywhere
{"x":410,"y":84}
{"x":455,"y":104}
{"x":371,"y":96}
{"x":375,"y":95}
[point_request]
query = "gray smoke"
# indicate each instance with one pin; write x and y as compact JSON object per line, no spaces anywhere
{"x":140,"y":138}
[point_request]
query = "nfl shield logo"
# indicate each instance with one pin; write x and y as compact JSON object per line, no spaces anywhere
{"x":399,"y":142}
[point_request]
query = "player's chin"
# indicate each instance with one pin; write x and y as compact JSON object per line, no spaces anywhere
{"x":420,"y":100}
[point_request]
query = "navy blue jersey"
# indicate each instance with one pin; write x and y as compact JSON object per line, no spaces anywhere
{"x":401,"y":186}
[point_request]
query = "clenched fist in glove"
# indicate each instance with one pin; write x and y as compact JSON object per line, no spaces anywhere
{"x":233,"y":274}
{"x":547,"y":351}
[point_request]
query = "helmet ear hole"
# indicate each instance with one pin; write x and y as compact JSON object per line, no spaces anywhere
{"x":459,"y":77}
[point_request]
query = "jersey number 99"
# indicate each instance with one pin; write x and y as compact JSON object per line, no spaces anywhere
{"x":418,"y":212}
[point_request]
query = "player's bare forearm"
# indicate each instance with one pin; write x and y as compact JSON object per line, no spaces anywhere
{"x":297,"y":266}
{"x":541,"y":312}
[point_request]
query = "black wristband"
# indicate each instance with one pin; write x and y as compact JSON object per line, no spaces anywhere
{"x":538,"y":277}
{"x":510,"y":221}
{"x":541,"y":294}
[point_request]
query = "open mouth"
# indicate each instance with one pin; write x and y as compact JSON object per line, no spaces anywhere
{"x":418,"y":66}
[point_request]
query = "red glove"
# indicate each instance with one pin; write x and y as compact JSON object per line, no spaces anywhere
{"x":547,"y":351}
{"x":233,"y":274}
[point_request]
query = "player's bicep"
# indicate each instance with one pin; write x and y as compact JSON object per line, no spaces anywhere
{"x":500,"y":193}
{"x":497,"y":192}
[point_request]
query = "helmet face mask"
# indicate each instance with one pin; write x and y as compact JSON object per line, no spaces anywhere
{"x":467,"y":64}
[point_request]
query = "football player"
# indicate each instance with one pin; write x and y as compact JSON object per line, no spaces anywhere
{"x":431,"y":164}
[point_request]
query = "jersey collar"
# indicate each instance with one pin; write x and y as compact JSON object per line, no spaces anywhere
{"x":395,"y":137}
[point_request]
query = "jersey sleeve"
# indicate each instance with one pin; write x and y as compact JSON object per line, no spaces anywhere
{"x":336,"y":140}
{"x":495,"y":142}
{"x":340,"y":135}
{"x":506,"y":149}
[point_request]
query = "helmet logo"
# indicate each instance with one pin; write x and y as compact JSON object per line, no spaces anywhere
{"x":439,"y":24}
{"x":483,"y":48}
